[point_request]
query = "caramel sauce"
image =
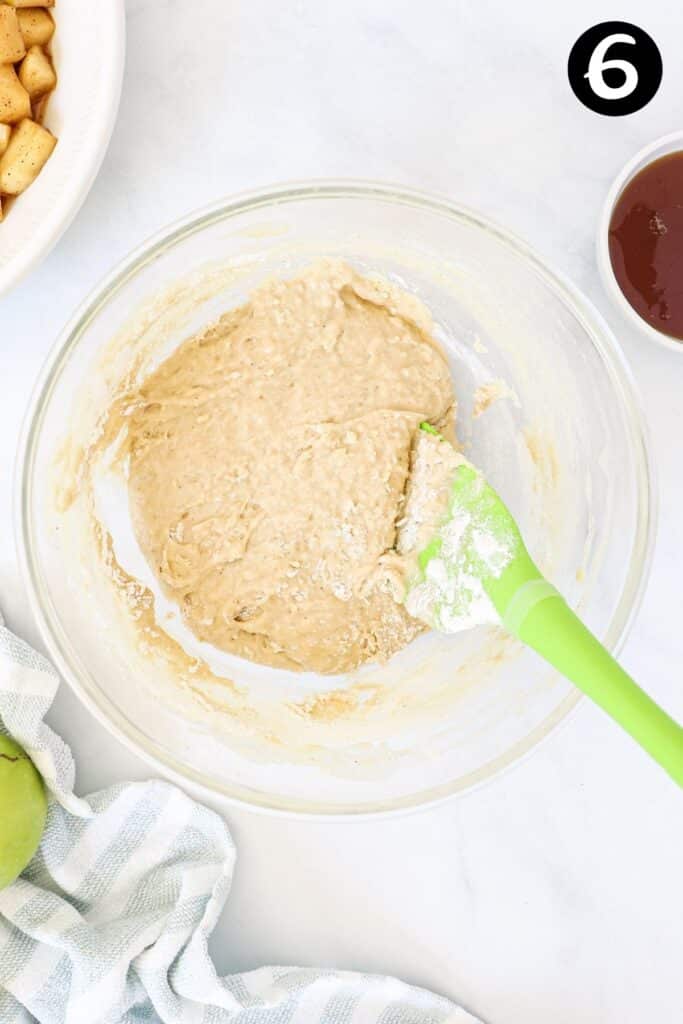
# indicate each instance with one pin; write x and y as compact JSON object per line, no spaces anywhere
{"x":646,"y":244}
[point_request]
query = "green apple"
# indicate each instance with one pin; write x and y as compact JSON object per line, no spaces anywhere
{"x":23,"y":807}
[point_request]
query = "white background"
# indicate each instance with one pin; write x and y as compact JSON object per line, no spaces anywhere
{"x":554,"y":894}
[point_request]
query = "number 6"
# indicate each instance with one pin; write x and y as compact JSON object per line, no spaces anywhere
{"x":598,"y":65}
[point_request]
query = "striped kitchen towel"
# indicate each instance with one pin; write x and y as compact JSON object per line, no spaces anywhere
{"x":109,"y":924}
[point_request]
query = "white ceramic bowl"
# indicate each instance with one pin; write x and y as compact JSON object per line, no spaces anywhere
{"x":660,"y":147}
{"x":568,"y":453}
{"x":88,"y":50}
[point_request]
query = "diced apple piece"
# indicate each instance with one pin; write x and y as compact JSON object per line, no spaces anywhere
{"x":36,"y":26}
{"x":15,"y":102}
{"x":12,"y":46}
{"x":29,"y":3}
{"x":5,"y":132}
{"x":36,"y":73}
{"x":29,"y":149}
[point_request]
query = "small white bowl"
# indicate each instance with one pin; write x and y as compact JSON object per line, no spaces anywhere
{"x":660,"y":147}
{"x":88,"y":51}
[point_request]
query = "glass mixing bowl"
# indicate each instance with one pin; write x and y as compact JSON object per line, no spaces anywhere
{"x":564,"y":443}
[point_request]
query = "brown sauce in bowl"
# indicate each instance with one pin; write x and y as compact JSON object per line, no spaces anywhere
{"x":646,"y":244}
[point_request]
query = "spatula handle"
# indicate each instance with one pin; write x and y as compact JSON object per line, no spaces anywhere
{"x":541,"y":618}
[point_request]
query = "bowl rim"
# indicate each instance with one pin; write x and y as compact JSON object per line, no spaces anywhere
{"x":64,"y":209}
{"x":45,"y":615}
{"x":662,"y":146}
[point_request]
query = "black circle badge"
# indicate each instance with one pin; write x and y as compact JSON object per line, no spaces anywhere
{"x":615,"y":68}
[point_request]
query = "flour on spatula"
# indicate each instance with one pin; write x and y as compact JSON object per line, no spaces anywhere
{"x":448,"y":594}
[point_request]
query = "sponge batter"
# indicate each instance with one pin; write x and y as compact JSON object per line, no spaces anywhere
{"x":268,"y":463}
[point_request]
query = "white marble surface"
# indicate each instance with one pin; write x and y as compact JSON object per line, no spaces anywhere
{"x":555,"y":893}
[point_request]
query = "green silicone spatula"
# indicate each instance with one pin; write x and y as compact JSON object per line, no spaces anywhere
{"x":471,"y":560}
